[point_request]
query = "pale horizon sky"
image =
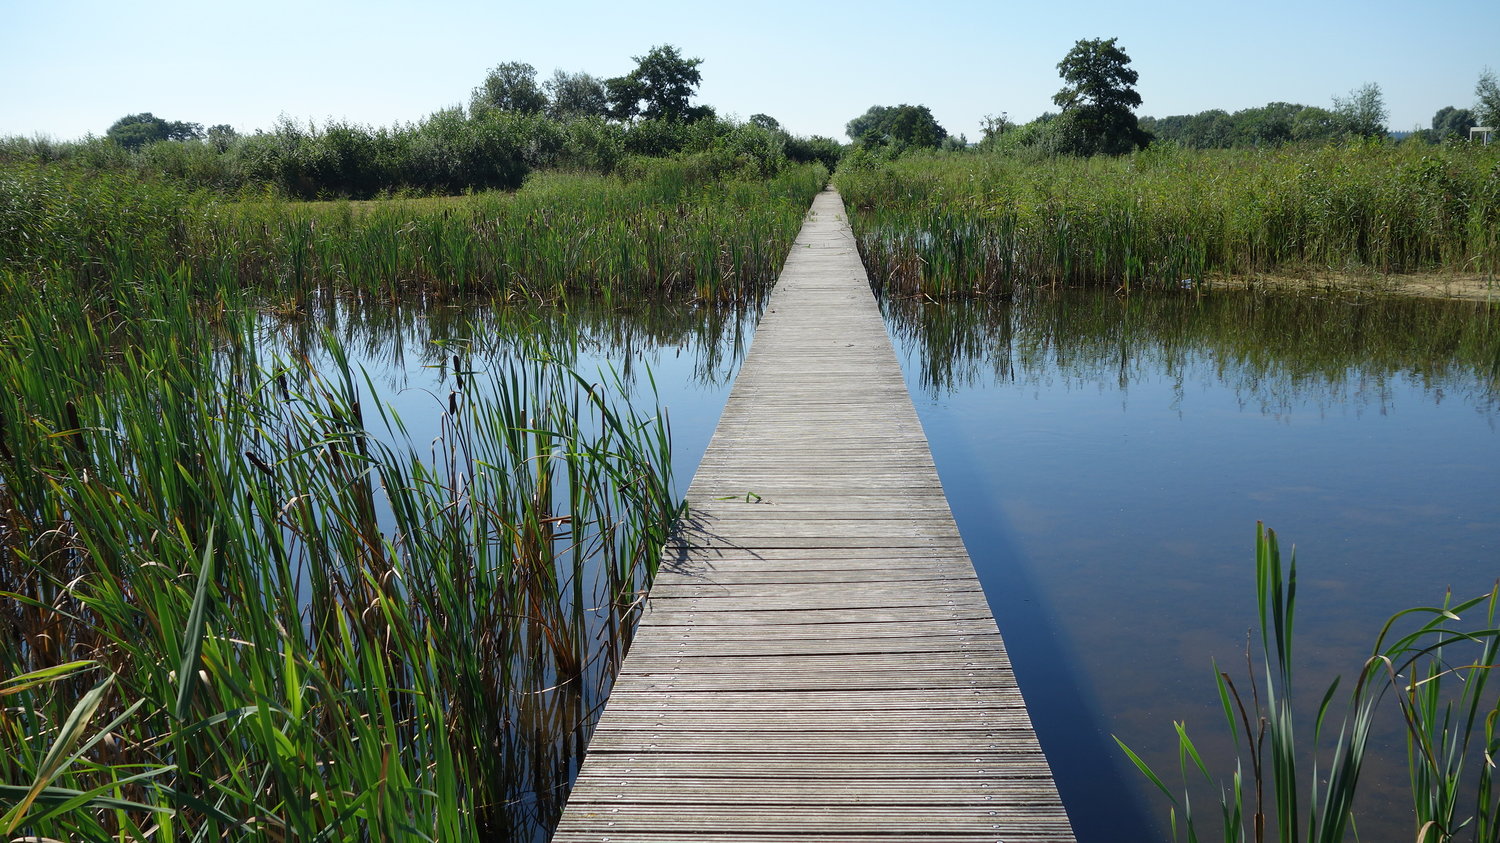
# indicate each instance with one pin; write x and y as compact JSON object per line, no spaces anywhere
{"x":72,"y":67}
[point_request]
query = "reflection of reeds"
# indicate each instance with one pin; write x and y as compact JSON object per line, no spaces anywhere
{"x":984,"y":224}
{"x":1272,"y":347}
{"x":235,"y":600}
{"x":1418,"y":659}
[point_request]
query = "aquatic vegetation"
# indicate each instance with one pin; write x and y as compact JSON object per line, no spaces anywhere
{"x":963,"y":224}
{"x":670,"y":229}
{"x":1420,"y":655}
{"x":238,"y":597}
{"x":239,"y":600}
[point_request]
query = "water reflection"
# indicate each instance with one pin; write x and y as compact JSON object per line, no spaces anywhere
{"x":423,"y":362}
{"x":1107,"y":459}
{"x":400,"y":339}
{"x":1279,"y":350}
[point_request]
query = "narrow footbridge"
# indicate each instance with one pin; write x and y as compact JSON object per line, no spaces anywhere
{"x":816,"y":661}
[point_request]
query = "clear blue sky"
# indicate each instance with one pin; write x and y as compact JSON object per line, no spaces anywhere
{"x":71,"y":67}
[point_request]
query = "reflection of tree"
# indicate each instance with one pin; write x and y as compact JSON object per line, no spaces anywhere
{"x":1274,"y":350}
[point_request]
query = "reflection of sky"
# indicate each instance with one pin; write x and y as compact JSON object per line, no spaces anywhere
{"x":1114,"y":525}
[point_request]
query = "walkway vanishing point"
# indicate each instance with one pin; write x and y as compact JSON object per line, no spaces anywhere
{"x":816,"y":661}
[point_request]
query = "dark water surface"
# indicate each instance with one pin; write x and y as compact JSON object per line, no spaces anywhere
{"x":1107,"y":461}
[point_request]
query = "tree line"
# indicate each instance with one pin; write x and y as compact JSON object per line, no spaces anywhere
{"x":1097,"y":107}
{"x":1361,"y":114}
{"x":512,"y":126}
{"x":515,"y":124}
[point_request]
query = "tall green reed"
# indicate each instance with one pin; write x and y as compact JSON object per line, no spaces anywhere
{"x":985,"y":224}
{"x":239,"y":601}
{"x":667,"y":232}
{"x":1300,"y":789}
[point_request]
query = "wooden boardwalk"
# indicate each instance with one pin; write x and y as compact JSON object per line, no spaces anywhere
{"x":816,"y":660}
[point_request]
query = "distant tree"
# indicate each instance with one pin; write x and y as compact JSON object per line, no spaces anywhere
{"x":765,"y":121}
{"x":1450,"y":121}
{"x":1487,"y":94}
{"x":1267,"y":125}
{"x":994,"y":128}
{"x":134,"y":131}
{"x":179,"y":130}
{"x":659,"y":88}
{"x":221,"y":136}
{"x":1312,"y":123}
{"x":509,"y":86}
{"x":573,"y":95}
{"x":1099,"y":99}
{"x":1363,"y":111}
{"x":902,"y":125}
{"x":827,"y":151}
{"x":1272,"y":124}
{"x":868,"y":126}
{"x":1212,"y":129}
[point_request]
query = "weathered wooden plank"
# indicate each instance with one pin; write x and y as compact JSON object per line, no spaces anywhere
{"x":843,"y":700}
{"x":816,"y":660}
{"x":991,"y":764}
{"x":832,"y":789}
{"x":682,"y":662}
{"x":927,"y":627}
{"x":888,"y":820}
{"x":718,"y":646}
{"x":939,"y":719}
{"x":1035,"y":832}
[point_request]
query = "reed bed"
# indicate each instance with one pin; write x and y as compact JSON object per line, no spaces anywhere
{"x":975,"y":224}
{"x":665,"y":230}
{"x":240,"y":603}
{"x":238,"y":599}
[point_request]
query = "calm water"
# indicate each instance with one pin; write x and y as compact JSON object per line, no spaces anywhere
{"x":417,"y":360}
{"x":682,"y":359}
{"x":1107,"y":461}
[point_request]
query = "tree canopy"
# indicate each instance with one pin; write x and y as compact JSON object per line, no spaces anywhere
{"x":1487,"y":94}
{"x":1098,"y":100}
{"x":134,"y":131}
{"x":1363,"y":112}
{"x":576,"y":95}
{"x":659,"y":88}
{"x":1452,"y":122}
{"x":509,"y":86}
{"x":901,"y":125}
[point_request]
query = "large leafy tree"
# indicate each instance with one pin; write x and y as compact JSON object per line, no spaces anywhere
{"x":134,"y":131}
{"x":1450,"y":121}
{"x":576,"y":95}
{"x":509,"y":86}
{"x":1099,"y":99}
{"x":659,"y":88}
{"x":901,"y":125}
